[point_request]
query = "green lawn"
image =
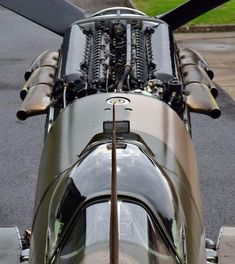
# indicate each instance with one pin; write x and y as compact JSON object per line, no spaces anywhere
{"x":224,"y":14}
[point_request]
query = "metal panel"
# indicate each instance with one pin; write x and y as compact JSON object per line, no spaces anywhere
{"x":73,"y":50}
{"x":160,"y":128}
{"x":158,"y":122}
{"x":163,"y":53}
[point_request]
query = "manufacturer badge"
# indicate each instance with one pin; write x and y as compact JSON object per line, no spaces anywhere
{"x":118,"y":101}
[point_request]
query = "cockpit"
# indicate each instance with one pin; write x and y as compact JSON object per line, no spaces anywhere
{"x":139,"y":239}
{"x":149,"y":220}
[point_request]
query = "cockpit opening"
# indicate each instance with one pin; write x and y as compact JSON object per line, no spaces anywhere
{"x":140,"y":241}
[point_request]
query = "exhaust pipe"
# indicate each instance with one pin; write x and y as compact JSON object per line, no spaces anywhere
{"x":42,"y":75}
{"x":191,"y":56}
{"x":47,"y":58}
{"x":197,"y":79}
{"x":200,"y":100}
{"x":36,"y":102}
{"x":192,"y":73}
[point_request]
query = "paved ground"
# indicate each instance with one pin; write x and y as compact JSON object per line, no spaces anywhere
{"x":215,"y":140}
{"x":21,"y":143}
{"x":219,"y":50}
{"x":92,"y":6}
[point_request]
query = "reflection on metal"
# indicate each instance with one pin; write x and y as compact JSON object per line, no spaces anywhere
{"x":194,"y":68}
{"x":199,"y":87}
{"x":200,"y":100}
{"x":191,"y":56}
{"x":42,"y":75}
{"x":113,"y":240}
{"x":194,"y":73}
{"x":37,"y":90}
{"x":51,"y":112}
{"x":161,"y":56}
{"x":47,"y":58}
{"x":36,"y":102}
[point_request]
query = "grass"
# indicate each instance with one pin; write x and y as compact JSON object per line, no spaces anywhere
{"x":224,"y":14}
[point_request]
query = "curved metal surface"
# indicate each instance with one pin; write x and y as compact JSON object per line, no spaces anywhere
{"x":47,"y":58}
{"x":118,"y":11}
{"x":196,"y":74}
{"x":191,"y":56}
{"x":72,"y":132}
{"x":72,"y":56}
{"x":37,"y":101}
{"x":162,"y":131}
{"x":163,"y":53}
{"x":134,"y":169}
{"x":200,"y":100}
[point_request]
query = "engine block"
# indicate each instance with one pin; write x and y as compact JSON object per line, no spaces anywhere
{"x":124,"y":51}
{"x":131,"y":54}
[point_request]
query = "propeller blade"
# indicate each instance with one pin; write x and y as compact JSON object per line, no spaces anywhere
{"x":189,"y":11}
{"x":55,"y":15}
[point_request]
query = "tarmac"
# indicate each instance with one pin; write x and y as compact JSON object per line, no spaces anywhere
{"x":218,"y":48}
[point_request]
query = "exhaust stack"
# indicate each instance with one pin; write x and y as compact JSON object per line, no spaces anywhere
{"x":191,"y":56}
{"x":47,"y":58}
{"x":196,"y":74}
{"x":200,"y":100}
{"x":37,"y":90}
{"x":197,"y":79}
{"x":42,"y":75}
{"x":36,"y":102}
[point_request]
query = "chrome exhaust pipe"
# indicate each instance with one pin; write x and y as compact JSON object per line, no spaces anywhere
{"x":47,"y":58}
{"x":36,"y":102}
{"x":191,"y":56}
{"x":200,"y":100}
{"x":192,"y":73}
{"x":42,"y":75}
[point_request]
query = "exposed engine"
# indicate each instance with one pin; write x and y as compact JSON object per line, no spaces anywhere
{"x":119,"y":52}
{"x":112,"y":55}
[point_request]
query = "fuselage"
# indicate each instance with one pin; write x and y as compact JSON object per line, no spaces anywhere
{"x":155,"y":128}
{"x":124,"y":58}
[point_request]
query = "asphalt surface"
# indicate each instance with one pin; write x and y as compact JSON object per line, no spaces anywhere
{"x":219,"y":51}
{"x":21,"y":143}
{"x":215,"y":139}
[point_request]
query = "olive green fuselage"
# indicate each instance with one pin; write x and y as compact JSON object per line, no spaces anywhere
{"x":162,"y":131}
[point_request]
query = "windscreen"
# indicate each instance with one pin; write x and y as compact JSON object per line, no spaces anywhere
{"x":139,"y":239}
{"x":91,"y":175}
